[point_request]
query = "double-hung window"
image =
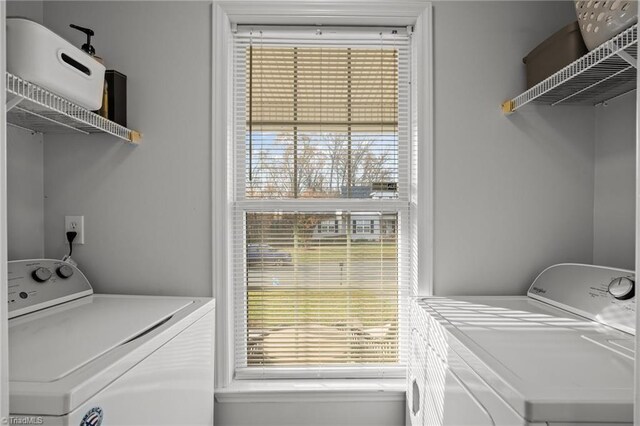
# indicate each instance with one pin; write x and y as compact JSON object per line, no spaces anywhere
{"x":320,"y":214}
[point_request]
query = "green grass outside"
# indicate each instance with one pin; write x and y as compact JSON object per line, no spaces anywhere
{"x":285,"y":307}
{"x":350,"y":310}
{"x":338,"y":251}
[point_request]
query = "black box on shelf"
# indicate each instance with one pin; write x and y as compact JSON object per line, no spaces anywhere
{"x":117,"y":96}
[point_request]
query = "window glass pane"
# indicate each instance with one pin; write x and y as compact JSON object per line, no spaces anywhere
{"x":318,"y":292}
{"x":321,"y":122}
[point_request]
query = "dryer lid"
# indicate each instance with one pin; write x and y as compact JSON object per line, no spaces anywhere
{"x":550,"y":365}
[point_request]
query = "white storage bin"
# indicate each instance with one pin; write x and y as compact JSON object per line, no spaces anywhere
{"x":42,"y":57}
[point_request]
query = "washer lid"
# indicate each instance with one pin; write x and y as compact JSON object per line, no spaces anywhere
{"x":48,"y":345}
{"x":548,"y":364}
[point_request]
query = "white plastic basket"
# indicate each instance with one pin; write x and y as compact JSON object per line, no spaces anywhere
{"x":42,"y":57}
{"x":601,"y":20}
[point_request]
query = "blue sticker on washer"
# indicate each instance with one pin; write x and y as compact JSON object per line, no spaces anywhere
{"x":93,"y":417}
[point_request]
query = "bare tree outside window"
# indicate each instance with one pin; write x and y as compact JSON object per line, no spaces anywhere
{"x":323,"y":167}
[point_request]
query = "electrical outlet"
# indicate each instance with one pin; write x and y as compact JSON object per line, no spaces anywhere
{"x":75,"y":224}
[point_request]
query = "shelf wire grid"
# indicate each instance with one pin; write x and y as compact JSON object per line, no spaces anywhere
{"x":36,"y":109}
{"x":600,"y":75}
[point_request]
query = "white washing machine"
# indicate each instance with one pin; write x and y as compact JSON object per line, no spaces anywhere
{"x":563,"y":354}
{"x":84,"y":359}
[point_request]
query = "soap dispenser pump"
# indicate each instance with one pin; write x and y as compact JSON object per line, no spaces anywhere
{"x":87,"y":47}
{"x":91,"y":51}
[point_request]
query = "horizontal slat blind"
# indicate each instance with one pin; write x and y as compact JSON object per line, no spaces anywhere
{"x":322,"y":120}
{"x":332,"y":87}
{"x":320,"y":285}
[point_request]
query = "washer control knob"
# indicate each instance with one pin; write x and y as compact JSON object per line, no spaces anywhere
{"x":65,"y":271}
{"x":41,"y":274}
{"x":622,"y":288}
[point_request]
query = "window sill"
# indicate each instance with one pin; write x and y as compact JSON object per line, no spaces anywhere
{"x":315,"y":390}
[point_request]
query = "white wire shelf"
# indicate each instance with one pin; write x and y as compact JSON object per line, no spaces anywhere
{"x":605,"y":73}
{"x":33,"y":108}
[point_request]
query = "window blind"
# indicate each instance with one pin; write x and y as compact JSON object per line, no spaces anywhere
{"x":321,"y":200}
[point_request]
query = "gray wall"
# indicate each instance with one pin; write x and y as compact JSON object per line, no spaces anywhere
{"x":25,"y":9}
{"x":25,"y":195}
{"x":514,"y":194}
{"x":25,"y":184}
{"x":615,"y":189}
{"x":349,"y":412}
{"x":148,"y":208}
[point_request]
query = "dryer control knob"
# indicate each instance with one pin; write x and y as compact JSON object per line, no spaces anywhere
{"x":65,"y":271}
{"x":41,"y":274}
{"x":622,"y":288}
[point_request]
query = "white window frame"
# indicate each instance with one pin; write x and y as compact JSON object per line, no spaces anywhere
{"x":4,"y":353}
{"x":227,"y":14}
{"x":637,"y":262}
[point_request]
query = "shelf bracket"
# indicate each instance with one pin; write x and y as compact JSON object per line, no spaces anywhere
{"x":625,"y":56}
{"x":508,"y":107}
{"x":13,"y":103}
{"x":135,"y":137}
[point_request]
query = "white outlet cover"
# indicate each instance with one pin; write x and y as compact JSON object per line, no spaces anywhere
{"x":74,"y":223}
